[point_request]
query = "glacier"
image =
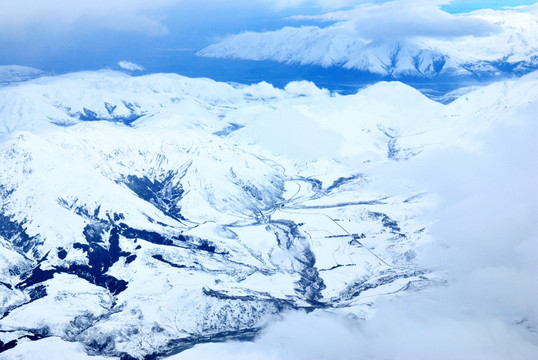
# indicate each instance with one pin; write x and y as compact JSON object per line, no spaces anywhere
{"x":143,"y":215}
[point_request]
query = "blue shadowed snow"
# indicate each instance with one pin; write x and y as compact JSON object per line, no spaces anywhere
{"x":228,"y":130}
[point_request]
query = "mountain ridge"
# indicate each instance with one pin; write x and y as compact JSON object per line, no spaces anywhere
{"x":511,"y":50}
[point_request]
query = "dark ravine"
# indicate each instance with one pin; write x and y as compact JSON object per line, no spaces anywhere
{"x":32,"y":335}
{"x":290,"y":236}
{"x":15,"y":233}
{"x":90,"y":115}
{"x":163,"y":194}
{"x":180,"y":345}
{"x":355,"y":289}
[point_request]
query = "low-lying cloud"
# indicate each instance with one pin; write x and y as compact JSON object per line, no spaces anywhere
{"x":129,"y":66}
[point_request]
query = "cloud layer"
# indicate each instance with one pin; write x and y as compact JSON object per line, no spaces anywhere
{"x":415,"y":18}
{"x":19,"y":17}
{"x":372,"y":19}
{"x":406,"y":18}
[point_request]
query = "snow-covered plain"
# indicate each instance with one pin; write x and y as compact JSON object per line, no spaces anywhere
{"x":143,"y":215}
{"x":512,"y":48}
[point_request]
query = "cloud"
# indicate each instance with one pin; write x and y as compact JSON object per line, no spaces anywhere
{"x":485,"y":247}
{"x":485,"y":244}
{"x":323,"y":4}
{"x":127,"y":65}
{"x":408,"y":18}
{"x":22,"y":16}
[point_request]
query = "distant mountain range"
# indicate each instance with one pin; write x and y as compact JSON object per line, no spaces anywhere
{"x":512,"y":50}
{"x":14,"y":73}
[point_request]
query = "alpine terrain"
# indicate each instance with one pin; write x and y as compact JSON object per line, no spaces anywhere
{"x":140,"y":216}
{"x":510,"y":46}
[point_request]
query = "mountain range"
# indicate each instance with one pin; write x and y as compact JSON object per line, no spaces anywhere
{"x":143,"y":215}
{"x":512,"y":49}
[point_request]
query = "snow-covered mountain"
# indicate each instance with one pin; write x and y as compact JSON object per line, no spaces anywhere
{"x":511,"y":49}
{"x":14,"y":73}
{"x":142,"y":215}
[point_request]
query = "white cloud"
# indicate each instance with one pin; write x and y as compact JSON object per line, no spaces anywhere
{"x":323,"y":4}
{"x":406,"y":18}
{"x":415,"y":18}
{"x":127,"y":65}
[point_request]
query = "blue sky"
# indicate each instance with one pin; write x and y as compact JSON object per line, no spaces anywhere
{"x":470,"y":5}
{"x":62,"y":35}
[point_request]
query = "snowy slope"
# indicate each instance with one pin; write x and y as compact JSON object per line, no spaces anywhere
{"x":14,"y":73}
{"x":304,"y":45}
{"x":513,"y":48}
{"x":142,"y":215}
